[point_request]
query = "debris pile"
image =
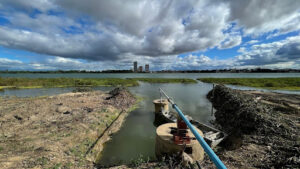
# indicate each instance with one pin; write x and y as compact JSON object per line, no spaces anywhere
{"x":267,"y":135}
{"x":120,"y":97}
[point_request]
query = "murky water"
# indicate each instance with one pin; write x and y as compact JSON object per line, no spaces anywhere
{"x":137,"y":136}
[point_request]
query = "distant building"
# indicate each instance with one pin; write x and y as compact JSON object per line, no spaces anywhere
{"x":135,"y":66}
{"x":140,"y":68}
{"x":147,"y":68}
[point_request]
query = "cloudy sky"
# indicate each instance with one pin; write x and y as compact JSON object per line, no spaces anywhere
{"x":189,"y":34}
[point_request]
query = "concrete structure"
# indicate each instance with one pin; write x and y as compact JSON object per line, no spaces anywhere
{"x":161,"y":110}
{"x":165,"y":144}
{"x":135,"y":66}
{"x":140,"y":68}
{"x":161,"y":105}
{"x":147,"y":68}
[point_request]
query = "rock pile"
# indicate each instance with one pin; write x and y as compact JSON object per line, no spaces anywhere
{"x":120,"y":98}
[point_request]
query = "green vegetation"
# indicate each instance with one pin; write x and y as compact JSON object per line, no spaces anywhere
{"x":42,"y":161}
{"x":139,"y":161}
{"x":164,"y":80}
{"x":82,"y":82}
{"x":63,"y":82}
{"x":56,"y":166}
{"x":267,"y":83}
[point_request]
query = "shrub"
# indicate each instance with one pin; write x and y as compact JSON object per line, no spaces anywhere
{"x":269,"y":84}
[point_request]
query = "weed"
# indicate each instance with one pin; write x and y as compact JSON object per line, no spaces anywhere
{"x":138,"y":161}
{"x":269,"y":83}
{"x":56,"y":166}
{"x":68,"y":165}
{"x":64,"y":82}
{"x":42,"y":161}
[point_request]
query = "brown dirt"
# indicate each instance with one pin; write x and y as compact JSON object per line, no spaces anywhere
{"x":263,"y":128}
{"x":59,"y":131}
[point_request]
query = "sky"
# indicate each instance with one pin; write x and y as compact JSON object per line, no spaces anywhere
{"x":171,"y":34}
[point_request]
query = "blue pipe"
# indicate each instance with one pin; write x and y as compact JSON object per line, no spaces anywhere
{"x":205,"y":146}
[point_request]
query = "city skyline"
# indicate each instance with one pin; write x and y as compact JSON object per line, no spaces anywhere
{"x":137,"y":68}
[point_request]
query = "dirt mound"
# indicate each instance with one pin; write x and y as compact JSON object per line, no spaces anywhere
{"x":263,"y":130}
{"x":238,"y":112}
{"x":120,"y":97}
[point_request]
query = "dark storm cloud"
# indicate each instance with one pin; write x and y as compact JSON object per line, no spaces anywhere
{"x":291,"y":51}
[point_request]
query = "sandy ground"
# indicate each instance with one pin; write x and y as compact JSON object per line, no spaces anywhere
{"x":59,"y":131}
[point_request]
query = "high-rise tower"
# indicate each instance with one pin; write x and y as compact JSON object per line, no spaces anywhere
{"x":140,"y":68}
{"x":135,"y":66}
{"x":147,"y":68}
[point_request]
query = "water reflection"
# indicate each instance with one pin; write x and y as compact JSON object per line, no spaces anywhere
{"x":137,"y":136}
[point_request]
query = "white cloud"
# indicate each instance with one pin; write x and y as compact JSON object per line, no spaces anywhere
{"x":149,"y":28}
{"x":242,"y":50}
{"x":284,"y":53}
{"x":252,"y":42}
{"x":231,"y":41}
{"x":261,"y":16}
{"x":8,"y":63}
{"x":149,"y":31}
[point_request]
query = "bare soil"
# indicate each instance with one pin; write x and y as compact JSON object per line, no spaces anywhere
{"x":263,"y":128}
{"x":62,"y":131}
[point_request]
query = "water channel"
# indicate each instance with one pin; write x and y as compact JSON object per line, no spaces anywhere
{"x":136,"y":138}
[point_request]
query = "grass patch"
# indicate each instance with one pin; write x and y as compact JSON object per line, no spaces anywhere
{"x":138,"y":161}
{"x":267,"y":83}
{"x":164,"y":80}
{"x":42,"y":161}
{"x":56,"y":166}
{"x":63,"y":82}
{"x":27,"y":83}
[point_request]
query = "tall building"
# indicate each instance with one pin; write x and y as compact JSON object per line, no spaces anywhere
{"x":140,"y":68}
{"x":147,"y":68}
{"x":135,"y":66}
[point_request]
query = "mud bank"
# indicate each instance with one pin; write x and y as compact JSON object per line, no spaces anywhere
{"x":66,"y":130}
{"x":263,"y":128}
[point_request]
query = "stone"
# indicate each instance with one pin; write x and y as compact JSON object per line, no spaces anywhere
{"x":63,"y":109}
